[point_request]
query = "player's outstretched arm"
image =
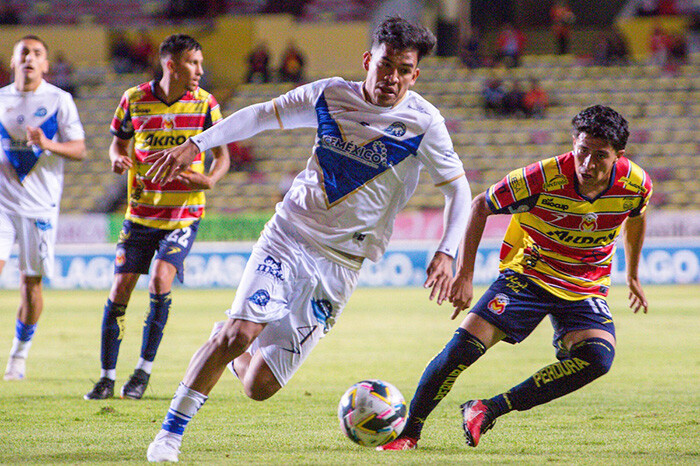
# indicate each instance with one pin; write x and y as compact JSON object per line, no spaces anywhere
{"x":462,"y":290}
{"x":169,"y":163}
{"x":635,"y":227}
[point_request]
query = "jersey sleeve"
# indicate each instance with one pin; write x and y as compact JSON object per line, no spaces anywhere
{"x":69,"y":126}
{"x":437,"y":153}
{"x":647,"y":191}
{"x":296,"y":108}
{"x":213,"y":113}
{"x":122,"y":126}
{"x":516,"y":192}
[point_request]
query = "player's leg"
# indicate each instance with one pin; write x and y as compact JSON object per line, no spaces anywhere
{"x":36,"y":239}
{"x":585,"y":337}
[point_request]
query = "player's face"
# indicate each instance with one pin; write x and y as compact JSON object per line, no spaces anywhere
{"x":595,"y":159}
{"x":187,"y":69}
{"x":390,"y":73}
{"x":29,"y":63}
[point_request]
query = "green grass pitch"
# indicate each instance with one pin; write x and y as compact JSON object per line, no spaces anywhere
{"x":645,"y":411}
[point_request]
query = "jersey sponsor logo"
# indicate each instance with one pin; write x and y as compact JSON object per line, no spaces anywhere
{"x":518,"y":209}
{"x":40,"y":112}
{"x":628,"y":203}
{"x":324,"y":313}
{"x":260,"y":298}
{"x":164,"y":141}
{"x":374,"y":157}
{"x":550,"y":202}
{"x":558,"y":182}
{"x":631,"y":185}
{"x":498,"y":304}
{"x":271,"y":268}
{"x":396,"y":129}
{"x":567,"y":237}
{"x":589,"y":222}
{"x":517,"y":182}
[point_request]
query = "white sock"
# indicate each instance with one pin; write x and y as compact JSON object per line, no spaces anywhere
{"x":20,"y":349}
{"x":146,"y":366}
{"x":109,"y":373}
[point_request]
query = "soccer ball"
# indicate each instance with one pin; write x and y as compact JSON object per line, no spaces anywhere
{"x":372,"y":413}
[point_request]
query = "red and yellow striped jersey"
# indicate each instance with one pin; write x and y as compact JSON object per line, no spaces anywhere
{"x":156,"y":126}
{"x":558,"y":238}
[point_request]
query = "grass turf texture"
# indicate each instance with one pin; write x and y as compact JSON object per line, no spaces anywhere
{"x":645,"y":411}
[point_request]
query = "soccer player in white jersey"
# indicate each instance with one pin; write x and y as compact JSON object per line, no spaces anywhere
{"x":373,"y":139}
{"x":39,"y":129}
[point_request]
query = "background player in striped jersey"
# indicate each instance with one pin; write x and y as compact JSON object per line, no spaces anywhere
{"x":373,"y":138}
{"x":555,"y":260}
{"x":161,"y":219}
{"x":39,"y":129}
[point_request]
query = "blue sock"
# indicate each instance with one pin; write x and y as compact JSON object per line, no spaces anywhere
{"x":154,"y":325}
{"x":113,"y":322}
{"x":184,"y":406}
{"x":439,"y":376}
{"x":587,"y":361}
{"x":24,"y":332}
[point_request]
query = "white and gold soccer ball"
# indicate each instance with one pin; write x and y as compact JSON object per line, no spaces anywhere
{"x":372,"y":413}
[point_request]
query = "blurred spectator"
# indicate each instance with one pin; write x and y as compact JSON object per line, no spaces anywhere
{"x":536,"y":100}
{"x":8,"y":15}
{"x":292,"y":65}
{"x":143,"y":53}
{"x":677,"y":53}
{"x":562,"y":18}
{"x":611,"y":50}
{"x":509,"y":45}
{"x":469,"y":50}
{"x":241,"y":157}
{"x":514,"y":100}
{"x":492,"y":94}
{"x":258,"y":65}
{"x":659,"y":46}
{"x":121,"y":54}
{"x":648,"y":8}
{"x":61,"y":73}
{"x":5,"y":73}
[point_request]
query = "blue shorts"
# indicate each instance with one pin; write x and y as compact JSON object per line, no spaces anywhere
{"x":138,"y":243}
{"x":517,"y":305}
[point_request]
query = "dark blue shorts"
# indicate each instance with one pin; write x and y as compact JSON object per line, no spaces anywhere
{"x":517,"y":305}
{"x":138,"y":243}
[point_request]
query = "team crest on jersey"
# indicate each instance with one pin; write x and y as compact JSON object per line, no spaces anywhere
{"x":272,"y":268}
{"x":43,"y":224}
{"x":396,"y":129}
{"x":40,"y":112}
{"x":589,"y":222}
{"x":260,"y":298}
{"x":498,"y":304}
{"x":120,"y":257}
{"x":168,"y":122}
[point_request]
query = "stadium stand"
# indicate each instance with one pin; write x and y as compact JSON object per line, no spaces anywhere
{"x":663,"y":109}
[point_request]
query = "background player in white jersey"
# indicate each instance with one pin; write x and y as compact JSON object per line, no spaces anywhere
{"x":373,"y":139}
{"x":39,"y":128}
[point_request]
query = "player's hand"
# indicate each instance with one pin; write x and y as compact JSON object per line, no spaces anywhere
{"x":36,"y":137}
{"x":461,"y":294}
{"x":439,"y":276}
{"x":195,"y":180}
{"x":121,"y":163}
{"x":171,"y":162}
{"x":637,"y":299}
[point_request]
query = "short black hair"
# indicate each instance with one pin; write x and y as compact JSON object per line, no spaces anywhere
{"x":402,"y":34}
{"x":175,"y":44}
{"x":32,"y":37}
{"x":602,"y":122}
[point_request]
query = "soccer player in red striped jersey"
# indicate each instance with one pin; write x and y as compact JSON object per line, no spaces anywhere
{"x":567,"y":212}
{"x":161,"y":218}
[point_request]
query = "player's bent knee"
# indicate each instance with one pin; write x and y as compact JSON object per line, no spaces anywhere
{"x":598,"y":353}
{"x":260,"y":392}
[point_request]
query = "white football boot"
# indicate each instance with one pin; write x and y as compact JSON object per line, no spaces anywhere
{"x":164,"y":448}
{"x":15,"y":368}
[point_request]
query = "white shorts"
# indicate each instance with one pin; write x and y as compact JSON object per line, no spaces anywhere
{"x":37,"y":242}
{"x":296,"y":291}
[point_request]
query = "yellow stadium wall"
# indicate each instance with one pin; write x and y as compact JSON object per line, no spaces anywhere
{"x":638,"y":31}
{"x":329,"y":48}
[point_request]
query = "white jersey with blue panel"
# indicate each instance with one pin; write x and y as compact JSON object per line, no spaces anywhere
{"x":365,"y":166}
{"x":31,"y":179}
